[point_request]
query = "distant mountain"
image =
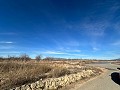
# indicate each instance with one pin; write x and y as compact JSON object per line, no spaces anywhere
{"x":117,"y":59}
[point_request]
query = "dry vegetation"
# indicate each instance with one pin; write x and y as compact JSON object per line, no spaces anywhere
{"x":16,"y":73}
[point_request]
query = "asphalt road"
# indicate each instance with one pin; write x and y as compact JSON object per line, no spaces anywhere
{"x":102,"y":82}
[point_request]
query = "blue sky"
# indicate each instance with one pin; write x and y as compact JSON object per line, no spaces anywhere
{"x":60,"y":28}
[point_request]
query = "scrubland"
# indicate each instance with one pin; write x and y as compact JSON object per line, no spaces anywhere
{"x":14,"y":73}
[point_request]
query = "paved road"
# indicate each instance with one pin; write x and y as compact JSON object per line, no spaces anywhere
{"x":103,"y":82}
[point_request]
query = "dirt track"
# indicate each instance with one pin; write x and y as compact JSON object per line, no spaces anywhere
{"x":103,"y":82}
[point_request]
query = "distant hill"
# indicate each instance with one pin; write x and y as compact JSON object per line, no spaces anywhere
{"x":117,"y":59}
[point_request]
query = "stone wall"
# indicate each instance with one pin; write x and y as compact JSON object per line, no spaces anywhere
{"x":56,"y":83}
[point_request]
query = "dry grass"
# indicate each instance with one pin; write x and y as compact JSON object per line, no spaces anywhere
{"x":17,"y":73}
{"x":58,"y":72}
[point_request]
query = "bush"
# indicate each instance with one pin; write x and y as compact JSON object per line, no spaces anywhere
{"x":38,"y":57}
{"x":58,"y":72}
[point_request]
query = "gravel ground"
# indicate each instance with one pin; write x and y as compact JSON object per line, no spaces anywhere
{"x":102,"y":82}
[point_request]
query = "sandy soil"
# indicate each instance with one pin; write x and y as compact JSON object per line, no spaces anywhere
{"x":102,"y":82}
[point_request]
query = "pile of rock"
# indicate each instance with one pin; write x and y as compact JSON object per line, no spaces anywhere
{"x":56,"y":83}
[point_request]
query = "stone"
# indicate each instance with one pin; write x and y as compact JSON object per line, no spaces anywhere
{"x":55,"y":83}
{"x":28,"y":87}
{"x":17,"y":88}
{"x":40,"y":84}
{"x":33,"y":86}
{"x":23,"y":87}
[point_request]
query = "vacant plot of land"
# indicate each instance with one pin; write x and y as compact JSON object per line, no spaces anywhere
{"x":16,"y":73}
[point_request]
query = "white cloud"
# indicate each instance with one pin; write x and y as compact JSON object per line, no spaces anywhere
{"x":6,"y":42}
{"x":77,"y":54}
{"x":76,"y":50}
{"x":53,"y":52}
{"x":63,"y":53}
{"x":95,"y":49}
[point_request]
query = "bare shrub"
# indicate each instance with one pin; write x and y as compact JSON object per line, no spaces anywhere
{"x":25,"y":57}
{"x":58,"y":72}
{"x":38,"y":57}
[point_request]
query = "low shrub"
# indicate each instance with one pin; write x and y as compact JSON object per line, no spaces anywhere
{"x":58,"y":72}
{"x":18,"y":73}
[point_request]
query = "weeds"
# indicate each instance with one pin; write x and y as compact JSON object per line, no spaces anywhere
{"x":18,"y":73}
{"x":58,"y":72}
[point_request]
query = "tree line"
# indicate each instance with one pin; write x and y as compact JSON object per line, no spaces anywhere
{"x":23,"y":57}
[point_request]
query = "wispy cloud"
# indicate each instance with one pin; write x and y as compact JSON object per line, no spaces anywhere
{"x":115,"y":7}
{"x":70,"y":42}
{"x":97,"y":23}
{"x":95,"y":49}
{"x":95,"y":28}
{"x":62,"y":52}
{"x":9,"y":52}
{"x":76,"y":50}
{"x":76,"y":54}
{"x":117,"y":43}
{"x":53,"y":52}
{"x":8,"y":33}
{"x":6,"y":42}
{"x":116,"y":26}
{"x":68,"y":49}
{"x":6,"y":47}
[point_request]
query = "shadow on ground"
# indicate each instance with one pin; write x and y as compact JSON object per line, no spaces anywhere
{"x":115,"y":76}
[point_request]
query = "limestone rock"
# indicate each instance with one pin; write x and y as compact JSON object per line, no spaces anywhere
{"x":40,"y":84}
{"x":23,"y":87}
{"x":33,"y":86}
{"x":28,"y":87}
{"x":17,"y":88}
